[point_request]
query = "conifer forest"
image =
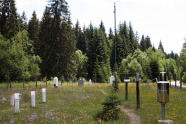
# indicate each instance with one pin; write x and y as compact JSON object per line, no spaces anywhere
{"x":53,"y":46}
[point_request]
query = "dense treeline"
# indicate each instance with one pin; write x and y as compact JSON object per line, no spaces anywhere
{"x":55,"y":47}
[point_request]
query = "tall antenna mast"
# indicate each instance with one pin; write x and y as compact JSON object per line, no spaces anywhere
{"x":116,"y":86}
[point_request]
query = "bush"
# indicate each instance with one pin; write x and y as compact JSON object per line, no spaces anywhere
{"x":110,"y":109}
{"x":132,"y":79}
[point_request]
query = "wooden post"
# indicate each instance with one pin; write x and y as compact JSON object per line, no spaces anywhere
{"x":170,"y":79}
{"x":126,"y":91}
{"x":180,"y":81}
{"x":175,"y":80}
{"x":137,"y":90}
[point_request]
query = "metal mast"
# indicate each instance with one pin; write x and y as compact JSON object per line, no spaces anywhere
{"x":116,"y":86}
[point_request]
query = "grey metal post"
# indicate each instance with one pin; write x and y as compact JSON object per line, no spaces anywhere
{"x":116,"y":86}
{"x":137,"y":90}
{"x":163,"y":111}
{"x":126,"y":91}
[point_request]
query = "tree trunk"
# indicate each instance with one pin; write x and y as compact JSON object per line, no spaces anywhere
{"x":23,"y":82}
{"x":36,"y":81}
{"x":7,"y":82}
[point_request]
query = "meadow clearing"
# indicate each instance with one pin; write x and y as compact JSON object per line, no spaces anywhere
{"x":72,"y":104}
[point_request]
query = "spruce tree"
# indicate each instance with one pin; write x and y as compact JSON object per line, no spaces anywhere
{"x":23,"y":22}
{"x":142,"y":44}
{"x":148,"y":42}
{"x":44,"y":43}
{"x":9,"y":19}
{"x":33,"y":30}
{"x":160,"y":47}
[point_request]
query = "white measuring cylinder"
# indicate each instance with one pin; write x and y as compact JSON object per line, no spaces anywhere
{"x":33,"y":98}
{"x":90,"y":82}
{"x":16,"y":96}
{"x":43,"y":94}
{"x":55,"y":82}
{"x":112,"y":79}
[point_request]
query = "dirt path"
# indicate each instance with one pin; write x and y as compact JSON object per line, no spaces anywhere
{"x":134,"y":119}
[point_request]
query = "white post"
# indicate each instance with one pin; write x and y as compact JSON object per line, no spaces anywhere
{"x":43,"y":94}
{"x":33,"y":101}
{"x":12,"y":100}
{"x":90,"y":82}
{"x":17,"y":103}
{"x":55,"y":82}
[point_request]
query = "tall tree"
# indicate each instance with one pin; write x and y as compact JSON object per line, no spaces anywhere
{"x":33,"y":30}
{"x":23,"y":22}
{"x":9,"y":19}
{"x":182,"y":58}
{"x":142,"y":44}
{"x":59,"y":41}
{"x":160,"y":47}
{"x":148,"y":42}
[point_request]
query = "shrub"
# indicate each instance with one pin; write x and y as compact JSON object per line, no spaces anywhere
{"x":110,"y":109}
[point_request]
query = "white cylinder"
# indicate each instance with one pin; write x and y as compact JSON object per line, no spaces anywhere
{"x":16,"y":96}
{"x":55,"y":81}
{"x":43,"y":95}
{"x":33,"y":101}
{"x":12,"y":100}
{"x":90,"y":82}
{"x":111,"y":79}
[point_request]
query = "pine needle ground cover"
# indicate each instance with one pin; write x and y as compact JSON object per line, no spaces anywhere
{"x":73,"y":104}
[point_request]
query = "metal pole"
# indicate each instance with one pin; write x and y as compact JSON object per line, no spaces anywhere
{"x":137,"y":90}
{"x":126,"y":91}
{"x":116,"y":87}
{"x":162,"y":111}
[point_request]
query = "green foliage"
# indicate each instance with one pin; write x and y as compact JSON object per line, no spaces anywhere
{"x":8,"y":19}
{"x":132,"y":79}
{"x":182,"y":58}
{"x":80,"y":62}
{"x":17,"y":57}
{"x":184,"y":77}
{"x":33,"y":30}
{"x":110,"y":109}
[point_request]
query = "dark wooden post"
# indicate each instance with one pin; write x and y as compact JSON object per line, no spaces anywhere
{"x":126,"y":91}
{"x":180,"y":81}
{"x":137,"y":90}
{"x":175,"y":80}
{"x":170,"y":79}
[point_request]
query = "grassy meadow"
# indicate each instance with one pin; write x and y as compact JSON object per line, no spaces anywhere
{"x":73,"y":104}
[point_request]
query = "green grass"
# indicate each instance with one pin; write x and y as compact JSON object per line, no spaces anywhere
{"x":66,"y":104}
{"x":150,"y":109}
{"x":73,"y":104}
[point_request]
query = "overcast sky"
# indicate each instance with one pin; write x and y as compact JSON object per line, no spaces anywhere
{"x":163,"y":20}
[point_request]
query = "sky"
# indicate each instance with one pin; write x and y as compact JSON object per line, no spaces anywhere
{"x":163,"y":20}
